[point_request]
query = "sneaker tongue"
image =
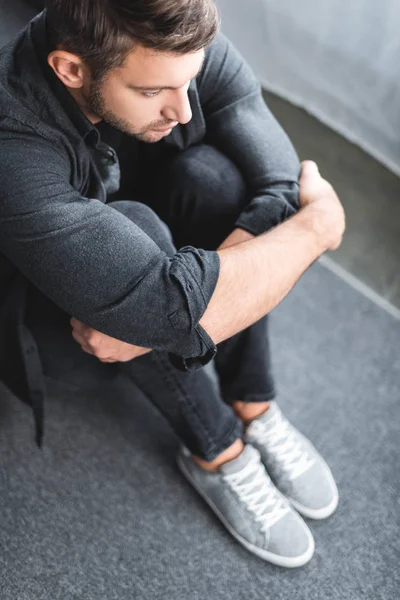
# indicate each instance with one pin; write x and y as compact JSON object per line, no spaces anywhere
{"x":237,"y":464}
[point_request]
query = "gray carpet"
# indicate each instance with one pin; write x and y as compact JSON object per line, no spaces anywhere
{"x":102,"y":513}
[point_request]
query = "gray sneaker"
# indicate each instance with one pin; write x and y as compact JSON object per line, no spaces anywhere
{"x":246,"y":501}
{"x":295,"y":466}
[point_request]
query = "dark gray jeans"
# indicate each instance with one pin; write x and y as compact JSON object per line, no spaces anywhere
{"x":192,"y":199}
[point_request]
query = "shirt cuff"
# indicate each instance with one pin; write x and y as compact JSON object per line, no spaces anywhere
{"x":192,"y":364}
{"x":201,"y":276}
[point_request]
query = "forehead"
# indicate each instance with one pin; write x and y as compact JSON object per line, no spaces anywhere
{"x":145,"y":67}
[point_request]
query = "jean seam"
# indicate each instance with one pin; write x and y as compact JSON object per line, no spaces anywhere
{"x":188,"y":405}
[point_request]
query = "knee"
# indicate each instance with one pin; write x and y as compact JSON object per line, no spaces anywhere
{"x":210,"y":173}
{"x":145,"y":218}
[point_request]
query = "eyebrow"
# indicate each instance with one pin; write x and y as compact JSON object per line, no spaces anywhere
{"x":165,"y":87}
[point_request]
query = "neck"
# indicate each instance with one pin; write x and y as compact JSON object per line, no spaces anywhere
{"x":76,"y":93}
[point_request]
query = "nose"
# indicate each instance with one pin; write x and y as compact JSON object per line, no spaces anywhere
{"x":178,"y":108}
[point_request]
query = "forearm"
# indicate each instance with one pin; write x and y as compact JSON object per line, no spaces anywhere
{"x":257,"y":274}
{"x":236,"y":237}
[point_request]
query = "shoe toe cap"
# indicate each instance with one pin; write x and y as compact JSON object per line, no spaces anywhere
{"x":315,"y":493}
{"x":291,"y":537}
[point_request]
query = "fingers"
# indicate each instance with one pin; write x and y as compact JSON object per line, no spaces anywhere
{"x":75,"y":324}
{"x":85,"y":333}
{"x":81,"y":341}
{"x":309,"y":168}
{"x":102,"y":346}
{"x":108,"y":360}
{"x":84,"y":336}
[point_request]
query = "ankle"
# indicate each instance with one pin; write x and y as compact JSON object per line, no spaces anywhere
{"x":229,"y":454}
{"x":248,"y":411}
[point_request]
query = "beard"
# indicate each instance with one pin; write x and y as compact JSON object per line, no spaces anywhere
{"x":96,"y":105}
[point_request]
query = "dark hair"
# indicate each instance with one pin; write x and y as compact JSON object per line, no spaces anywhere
{"x":103,"y":32}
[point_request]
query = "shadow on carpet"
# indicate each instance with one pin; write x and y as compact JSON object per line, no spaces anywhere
{"x":102,"y":512}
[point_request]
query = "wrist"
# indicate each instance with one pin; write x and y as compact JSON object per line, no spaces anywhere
{"x":314,"y":221}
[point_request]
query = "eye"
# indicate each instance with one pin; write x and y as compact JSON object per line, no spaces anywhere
{"x":151,"y":94}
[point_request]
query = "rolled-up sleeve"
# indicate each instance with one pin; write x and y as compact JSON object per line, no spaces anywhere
{"x":241,"y":125}
{"x":98,"y":265}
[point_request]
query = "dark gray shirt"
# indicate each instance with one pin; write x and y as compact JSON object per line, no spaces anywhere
{"x":57,"y":231}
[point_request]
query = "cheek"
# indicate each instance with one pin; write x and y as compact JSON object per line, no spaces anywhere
{"x":133,"y":107}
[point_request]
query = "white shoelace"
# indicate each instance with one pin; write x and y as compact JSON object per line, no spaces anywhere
{"x":280,"y":439}
{"x":259,"y":493}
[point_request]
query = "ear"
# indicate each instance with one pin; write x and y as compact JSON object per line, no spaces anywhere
{"x":68,"y":67}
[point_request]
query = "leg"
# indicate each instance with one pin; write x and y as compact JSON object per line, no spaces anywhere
{"x":189,"y":401}
{"x":239,"y":489}
{"x":200,"y":193}
{"x":207,"y":193}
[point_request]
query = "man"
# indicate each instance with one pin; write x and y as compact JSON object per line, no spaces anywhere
{"x":118,"y":119}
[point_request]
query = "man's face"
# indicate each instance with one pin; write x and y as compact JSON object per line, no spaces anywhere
{"x":148,"y":96}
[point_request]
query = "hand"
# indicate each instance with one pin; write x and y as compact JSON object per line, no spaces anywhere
{"x":107,"y":349}
{"x":318,"y":197}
